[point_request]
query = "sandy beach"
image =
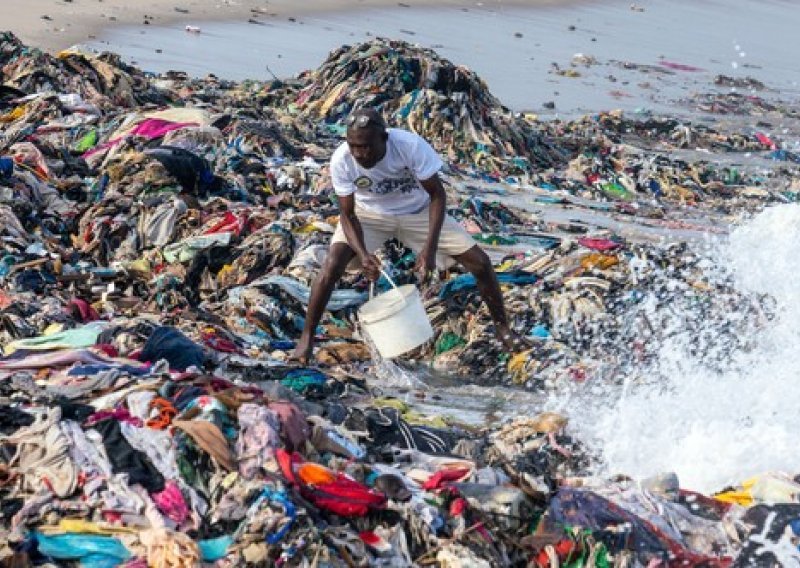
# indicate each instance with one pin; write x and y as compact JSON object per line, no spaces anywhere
{"x":56,"y":24}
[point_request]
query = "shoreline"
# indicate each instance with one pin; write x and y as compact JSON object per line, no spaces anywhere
{"x":71,"y":22}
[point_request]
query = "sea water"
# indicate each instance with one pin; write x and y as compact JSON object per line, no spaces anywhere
{"x":714,"y":411}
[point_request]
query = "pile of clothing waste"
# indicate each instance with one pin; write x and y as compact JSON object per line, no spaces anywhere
{"x":418,"y":90}
{"x":160,"y":234}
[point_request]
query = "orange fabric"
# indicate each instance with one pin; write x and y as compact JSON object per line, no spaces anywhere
{"x":315,"y":474}
{"x":166,"y":414}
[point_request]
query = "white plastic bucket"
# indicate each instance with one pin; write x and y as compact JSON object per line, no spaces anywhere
{"x":396,"y":320}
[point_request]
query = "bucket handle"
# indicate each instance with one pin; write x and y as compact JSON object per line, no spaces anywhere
{"x":389,"y":278}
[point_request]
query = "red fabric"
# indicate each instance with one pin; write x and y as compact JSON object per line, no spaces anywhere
{"x":344,"y":496}
{"x":565,"y":549}
{"x":81,"y":310}
{"x":230,"y":223}
{"x":107,"y":349}
{"x":766,"y":141}
{"x":457,"y":507}
{"x":286,"y":462}
{"x":441,"y":477}
{"x":220,"y":344}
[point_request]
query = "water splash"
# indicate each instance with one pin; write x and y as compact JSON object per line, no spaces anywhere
{"x":387,"y":372}
{"x":718,"y":402}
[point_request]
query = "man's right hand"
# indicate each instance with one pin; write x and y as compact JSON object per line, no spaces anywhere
{"x":371,"y":266}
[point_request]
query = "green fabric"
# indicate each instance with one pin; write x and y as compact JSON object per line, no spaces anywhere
{"x":187,"y":249}
{"x":385,"y":402}
{"x":448,"y":341}
{"x":87,"y":142}
{"x":301,"y":384}
{"x":494,"y":239}
{"x":77,"y":338}
{"x":616,"y":191}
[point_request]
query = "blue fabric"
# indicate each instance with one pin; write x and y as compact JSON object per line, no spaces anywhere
{"x":281,"y":344}
{"x":93,"y":551}
{"x":6,"y":166}
{"x":340,"y":299}
{"x":300,"y":380}
{"x":169,"y":343}
{"x":289,"y":509}
{"x":94,"y":369}
{"x":541,"y":331}
{"x":468,"y":282}
{"x":214,"y":549}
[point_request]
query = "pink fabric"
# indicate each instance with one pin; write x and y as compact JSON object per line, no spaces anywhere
{"x":258,"y":438}
{"x":55,"y":359}
{"x":171,"y":502}
{"x":120,"y":414}
{"x":294,"y":428}
{"x":599,"y":244}
{"x":150,"y":128}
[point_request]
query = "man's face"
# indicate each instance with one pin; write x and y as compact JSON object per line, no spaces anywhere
{"x":367,"y":145}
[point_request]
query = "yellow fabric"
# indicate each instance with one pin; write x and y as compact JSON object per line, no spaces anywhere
{"x":141,"y":266}
{"x":182,"y":114}
{"x":307,"y":229}
{"x":740,"y":496}
{"x":53,"y":328}
{"x":506,"y":266}
{"x":86,"y":527}
{"x":333,"y":97}
{"x":391,"y":403}
{"x":599,"y":261}
{"x":518,"y":365}
{"x":15,"y":114}
{"x":421,"y":420}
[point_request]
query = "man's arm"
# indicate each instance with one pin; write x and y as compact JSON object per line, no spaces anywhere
{"x":426,"y":263}
{"x":355,"y":236}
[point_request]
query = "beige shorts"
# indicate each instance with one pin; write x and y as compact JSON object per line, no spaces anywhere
{"x":412,"y":231}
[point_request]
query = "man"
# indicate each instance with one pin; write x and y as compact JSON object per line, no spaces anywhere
{"x":388,"y":186}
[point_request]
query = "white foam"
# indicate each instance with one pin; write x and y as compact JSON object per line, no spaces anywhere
{"x":716,"y":426}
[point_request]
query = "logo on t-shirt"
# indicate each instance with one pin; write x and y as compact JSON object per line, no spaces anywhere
{"x":362,"y":182}
{"x":403,"y":182}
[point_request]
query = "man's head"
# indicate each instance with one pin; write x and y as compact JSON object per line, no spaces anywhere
{"x":366,"y":136}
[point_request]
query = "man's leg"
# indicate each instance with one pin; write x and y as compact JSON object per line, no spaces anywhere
{"x":339,"y":256}
{"x":479,"y":264}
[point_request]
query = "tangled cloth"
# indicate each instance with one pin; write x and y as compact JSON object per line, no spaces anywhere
{"x":169,"y":549}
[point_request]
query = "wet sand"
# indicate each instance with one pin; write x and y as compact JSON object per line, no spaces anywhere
{"x":56,"y":24}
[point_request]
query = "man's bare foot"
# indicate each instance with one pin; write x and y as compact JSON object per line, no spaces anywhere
{"x":303,"y":352}
{"x":511,"y":340}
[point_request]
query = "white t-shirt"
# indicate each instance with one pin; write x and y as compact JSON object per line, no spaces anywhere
{"x":390,"y":187}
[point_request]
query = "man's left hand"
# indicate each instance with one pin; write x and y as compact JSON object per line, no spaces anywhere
{"x":425,"y":269}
